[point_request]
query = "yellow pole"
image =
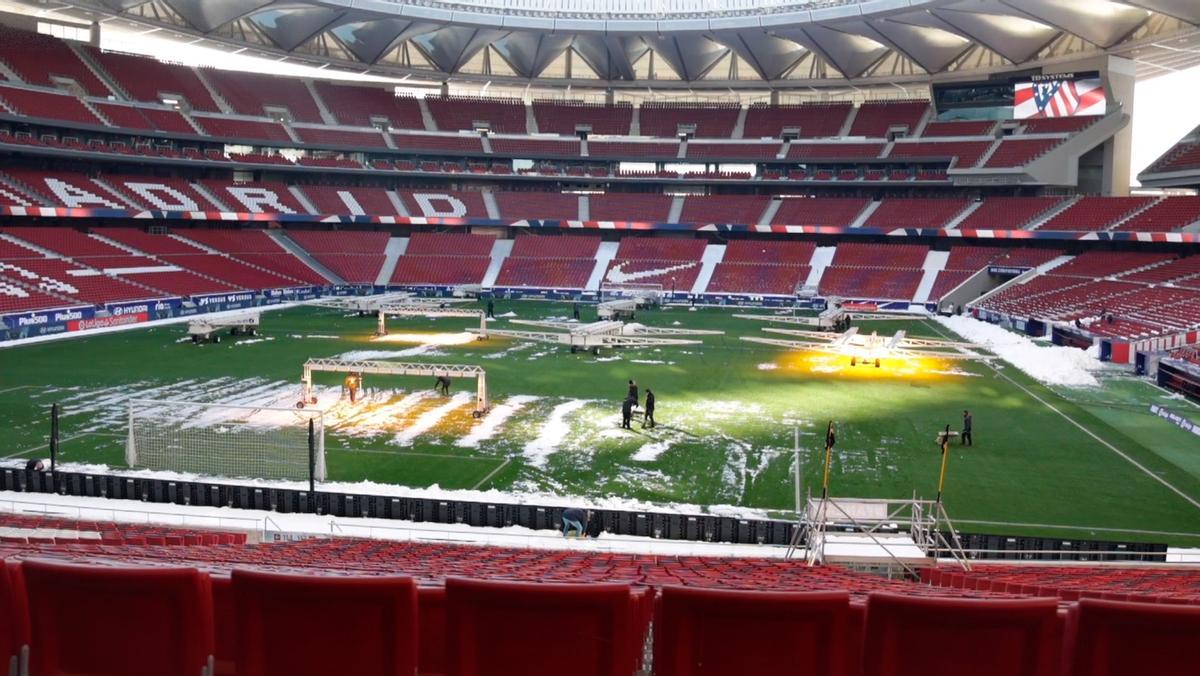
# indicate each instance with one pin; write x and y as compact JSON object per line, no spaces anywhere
{"x":945,"y":457}
{"x":828,"y":460}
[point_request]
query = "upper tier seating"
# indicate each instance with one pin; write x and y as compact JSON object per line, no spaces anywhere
{"x":834,"y":151}
{"x":711,"y":120}
{"x":1015,"y":152}
{"x":356,"y":200}
{"x":144,"y":118}
{"x":258,"y":198}
{"x":537,"y":206}
{"x":561,"y":117}
{"x":644,"y":207}
{"x":146,"y":79}
{"x":356,"y":104}
{"x":68,"y":189}
{"x":830,"y":211}
{"x":813,"y":120}
{"x":1172,"y":213}
{"x":65,"y":241}
{"x":340,"y":138}
{"x":632,"y":149}
{"x":251,"y":93}
{"x":48,"y":105}
{"x":440,"y":203}
{"x":756,"y":151}
{"x":1007,"y":213}
{"x":1181,"y":156}
{"x":448,"y":145}
{"x":875,"y":118}
{"x":915,"y":212}
{"x":966,"y":154}
{"x":38,"y":59}
{"x":227,"y":127}
{"x":506,"y":116}
{"x":1095,"y":213}
{"x":959,"y":128}
{"x":1058,"y":125}
{"x":534,"y":147}
{"x":745,"y":209}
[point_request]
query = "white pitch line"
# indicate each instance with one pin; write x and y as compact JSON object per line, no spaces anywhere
{"x":14,"y":389}
{"x":491,"y":474}
{"x":1093,"y":435}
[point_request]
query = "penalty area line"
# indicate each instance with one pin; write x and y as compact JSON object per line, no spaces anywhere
{"x":491,"y":474}
{"x":1092,"y":434}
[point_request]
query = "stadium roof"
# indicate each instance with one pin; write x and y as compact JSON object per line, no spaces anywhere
{"x":664,"y":44}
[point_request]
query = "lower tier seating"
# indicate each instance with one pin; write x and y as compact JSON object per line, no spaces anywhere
{"x":870,"y":282}
{"x":757,"y":278}
{"x":546,"y":273}
{"x":439,"y":270}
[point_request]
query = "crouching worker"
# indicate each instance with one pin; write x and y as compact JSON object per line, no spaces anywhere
{"x":574,"y":518}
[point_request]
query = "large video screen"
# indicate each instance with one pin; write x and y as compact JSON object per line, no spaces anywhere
{"x":1059,"y":96}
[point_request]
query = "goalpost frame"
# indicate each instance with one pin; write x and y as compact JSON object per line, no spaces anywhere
{"x":312,"y":460}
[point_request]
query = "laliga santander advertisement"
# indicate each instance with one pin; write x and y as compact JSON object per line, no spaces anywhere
{"x":105,"y":322}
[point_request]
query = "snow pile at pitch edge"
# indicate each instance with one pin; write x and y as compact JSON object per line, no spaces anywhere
{"x":433,"y":492}
{"x":1049,"y":364}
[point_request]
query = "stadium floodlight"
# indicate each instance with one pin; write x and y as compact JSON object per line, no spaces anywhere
{"x":225,"y":440}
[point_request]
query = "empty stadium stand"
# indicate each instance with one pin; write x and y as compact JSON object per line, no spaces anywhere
{"x":1008,"y":213}
{"x":154,"y":80}
{"x":835,"y":211}
{"x":361,"y":105}
{"x":808,"y":120}
{"x":630,"y":207}
{"x":452,"y":113}
{"x":41,"y":59}
{"x":766,"y":267}
{"x":565,"y":117}
{"x":915,"y":212}
{"x":554,"y":262}
{"x":706,"y":120}
{"x":875,"y":119}
{"x":47,"y":105}
{"x":723,"y":208}
{"x":1096,"y":213}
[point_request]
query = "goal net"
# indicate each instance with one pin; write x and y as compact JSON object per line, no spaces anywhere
{"x":224,"y":439}
{"x":644,"y":294}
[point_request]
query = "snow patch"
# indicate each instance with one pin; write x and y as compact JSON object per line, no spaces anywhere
{"x":254,"y":340}
{"x":768,"y":366}
{"x":650,"y":452}
{"x":1049,"y":364}
{"x":487,"y":427}
{"x":553,"y":432}
{"x":361,"y":355}
{"x":429,"y":419}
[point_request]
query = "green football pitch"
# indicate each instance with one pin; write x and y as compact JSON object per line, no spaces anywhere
{"x":1083,"y":463}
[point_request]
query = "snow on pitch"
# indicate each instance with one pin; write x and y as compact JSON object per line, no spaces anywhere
{"x":487,"y":427}
{"x":1050,"y":364}
{"x":429,"y":419}
{"x":553,"y":432}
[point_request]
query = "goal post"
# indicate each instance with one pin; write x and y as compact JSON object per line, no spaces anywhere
{"x":227,"y":440}
{"x":646,"y":294}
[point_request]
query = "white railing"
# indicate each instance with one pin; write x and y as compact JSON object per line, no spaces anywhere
{"x":141,"y":515}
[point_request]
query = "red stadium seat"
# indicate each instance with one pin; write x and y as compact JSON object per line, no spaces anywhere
{"x":709,"y":631}
{"x":304,"y":624}
{"x":548,"y":629}
{"x":102,"y":621}
{"x":431,"y":630}
{"x":949,"y":637}
{"x":1113,"y":637}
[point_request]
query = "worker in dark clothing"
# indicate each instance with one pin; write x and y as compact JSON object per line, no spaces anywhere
{"x":627,"y":412}
{"x":442,"y":385}
{"x":574,"y":518}
{"x":35,"y":465}
{"x":633,"y":392}
{"x":575,"y":311}
{"x":648,"y":415}
{"x":966,"y":433}
{"x":491,"y":308}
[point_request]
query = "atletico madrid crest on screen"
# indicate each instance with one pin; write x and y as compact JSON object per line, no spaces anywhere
{"x":1058,"y":98}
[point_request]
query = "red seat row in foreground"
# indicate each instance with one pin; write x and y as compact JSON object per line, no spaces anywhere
{"x":117,"y":621}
